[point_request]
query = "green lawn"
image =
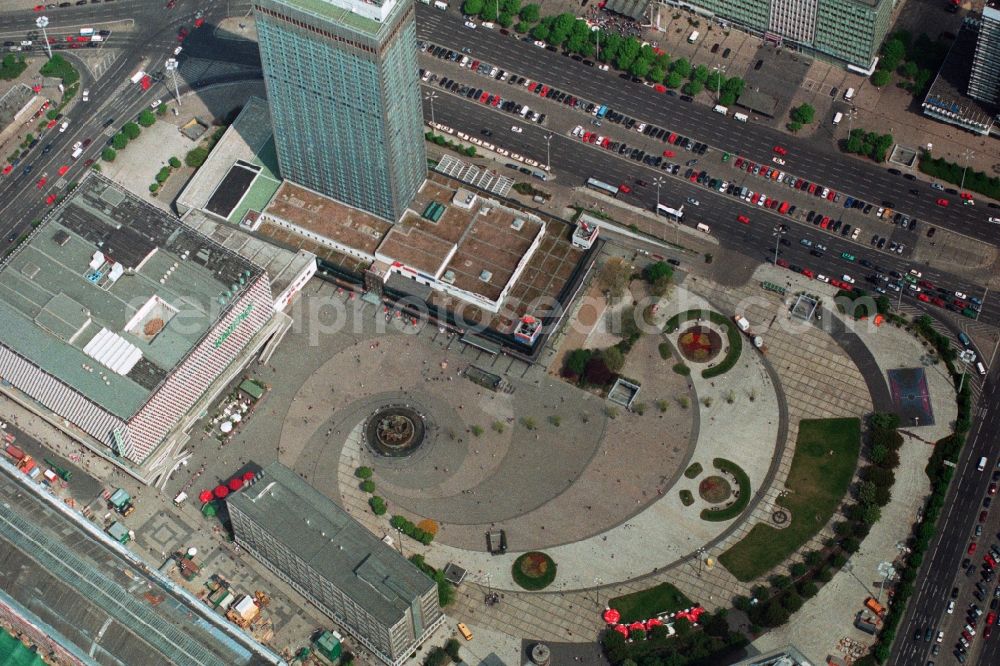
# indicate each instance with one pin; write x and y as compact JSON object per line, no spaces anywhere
{"x":642,"y":605}
{"x":817,"y":482}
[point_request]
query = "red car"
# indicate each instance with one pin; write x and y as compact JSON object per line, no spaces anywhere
{"x":146,"y":82}
{"x":624,"y":189}
{"x":825,"y":222}
{"x":39,"y":8}
{"x":586,"y":137}
{"x":198,"y":22}
{"x":41,"y":182}
{"x":672,"y":138}
{"x":923,"y":297}
{"x":983,"y":515}
{"x":743,"y":219}
{"x":7,"y":169}
{"x":989,"y":562}
{"x":942,"y":202}
{"x":783,"y":263}
{"x":531,"y":88}
{"x":51,"y":199}
{"x":485,"y":96}
{"x":606,"y":142}
{"x":780,"y":150}
{"x":808,"y":273}
{"x":544,"y":91}
{"x":738,"y":163}
{"x":972,"y":548}
{"x":668,"y":153}
{"x":812,"y":188}
{"x":991,"y":618}
{"x":82,"y":39}
{"x":181,"y":34}
{"x":831,"y":196}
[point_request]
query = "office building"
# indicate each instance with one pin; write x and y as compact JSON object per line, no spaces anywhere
{"x":342,"y":86}
{"x":121,"y":324}
{"x":848,"y":31}
{"x":984,"y":81}
{"x":375,"y":593}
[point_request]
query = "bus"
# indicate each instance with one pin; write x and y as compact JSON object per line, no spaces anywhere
{"x":601,"y":186}
{"x":672,"y":213}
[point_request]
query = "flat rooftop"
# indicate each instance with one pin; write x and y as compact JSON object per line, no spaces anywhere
{"x":332,"y":543}
{"x":110,"y":294}
{"x":489,"y":241}
{"x":95,"y":602}
{"x":323,"y":216}
{"x":246,"y":139}
{"x":338,"y":11}
{"x":281,"y":265}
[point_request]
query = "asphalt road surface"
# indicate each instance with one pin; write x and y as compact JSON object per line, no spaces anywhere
{"x":573,"y":162}
{"x":814,"y":160}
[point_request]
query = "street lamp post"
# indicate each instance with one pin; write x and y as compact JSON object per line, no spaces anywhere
{"x":658,"y":181}
{"x":597,"y":590}
{"x":720,"y":69}
{"x":778,"y":233}
{"x":430,"y":97}
{"x":968,"y":155}
{"x":42,"y":22}
{"x":850,"y":119}
{"x":983,"y":304}
{"x":171,"y":66}
{"x":548,"y":155}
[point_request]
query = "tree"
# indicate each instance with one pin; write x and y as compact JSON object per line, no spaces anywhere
{"x":119,"y":141}
{"x":880,"y":78}
{"x":693,"y":87}
{"x":530,"y":13}
{"x":161,"y":110}
{"x":540,"y":31}
{"x":175,"y":163}
{"x":699,"y":74}
{"x":658,"y":270}
{"x":714,"y":81}
{"x":893,"y":52}
{"x":472,"y":7}
{"x":505,"y":20}
{"x":674,"y":80}
{"x":614,"y":276}
{"x":146,"y":118}
{"x":576,"y":361}
{"x":196,"y":157}
{"x":909,"y":70}
{"x":109,"y":155}
{"x":656,"y":74}
{"x":453,"y":647}
{"x":613,"y":359}
{"x":871,"y":514}
{"x":681,"y":66}
{"x":639,"y":68}
{"x":804,"y":114}
{"x":131,"y":130}
{"x":153,"y":187}
{"x":597,"y":372}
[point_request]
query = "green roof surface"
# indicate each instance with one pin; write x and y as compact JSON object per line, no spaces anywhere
{"x":14,"y":653}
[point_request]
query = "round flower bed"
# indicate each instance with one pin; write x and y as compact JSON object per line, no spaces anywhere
{"x":699,"y":344}
{"x":534,"y":571}
{"x":715,"y":489}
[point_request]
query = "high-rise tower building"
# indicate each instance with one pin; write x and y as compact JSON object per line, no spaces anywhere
{"x":984,"y":81}
{"x":341,"y":79}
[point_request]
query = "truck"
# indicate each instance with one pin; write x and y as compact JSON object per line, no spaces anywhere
{"x":601,"y":112}
{"x":138,"y":76}
{"x":724,"y":110}
{"x":862,"y":622}
{"x":77,"y":150}
{"x":875,"y":607}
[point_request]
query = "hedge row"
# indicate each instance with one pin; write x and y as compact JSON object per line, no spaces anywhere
{"x":409,"y":529}
{"x":976,"y":181}
{"x":737,"y":507}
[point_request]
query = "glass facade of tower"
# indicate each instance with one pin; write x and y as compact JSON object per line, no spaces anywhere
{"x":342,"y":87}
{"x":850,"y":31}
{"x":984,"y":80}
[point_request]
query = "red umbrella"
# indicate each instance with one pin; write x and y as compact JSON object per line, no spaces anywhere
{"x":205,"y":496}
{"x":696,"y":613}
{"x":637,"y":626}
{"x":248,"y":477}
{"x":611,"y":616}
{"x":221,"y":491}
{"x":653,"y":622}
{"x":621,"y":629}
{"x":235,"y":484}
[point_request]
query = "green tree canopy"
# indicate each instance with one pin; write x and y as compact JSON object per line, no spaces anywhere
{"x":530,"y":13}
{"x":472,"y":7}
{"x":682,"y":67}
{"x":146,"y":118}
{"x":131,"y":130}
{"x":109,"y":155}
{"x":804,"y":114}
{"x":880,"y":78}
{"x":119,"y":141}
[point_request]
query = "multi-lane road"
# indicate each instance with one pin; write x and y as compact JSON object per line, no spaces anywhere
{"x":814,"y":160}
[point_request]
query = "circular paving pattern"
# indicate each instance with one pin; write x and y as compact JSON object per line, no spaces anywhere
{"x":715,"y":489}
{"x":699,"y":344}
{"x":395,"y":431}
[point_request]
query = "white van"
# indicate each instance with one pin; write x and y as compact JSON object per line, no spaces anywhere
{"x":693,"y":37}
{"x":742,"y":117}
{"x":724,"y":110}
{"x":981,"y":368}
{"x":138,"y":76}
{"x":849,"y":94}
{"x":440,"y":5}
{"x":837,"y":117}
{"x":982,"y":464}
{"x":701,"y":226}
